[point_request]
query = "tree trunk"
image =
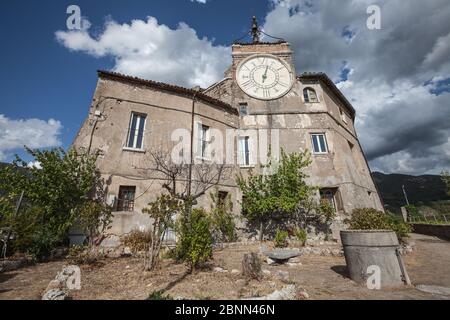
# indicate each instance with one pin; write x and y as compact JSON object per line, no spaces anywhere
{"x":251,"y":266}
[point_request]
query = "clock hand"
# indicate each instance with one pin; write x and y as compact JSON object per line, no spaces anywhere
{"x":265,"y":74}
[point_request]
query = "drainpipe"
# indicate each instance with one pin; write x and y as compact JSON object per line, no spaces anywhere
{"x":194,"y":97}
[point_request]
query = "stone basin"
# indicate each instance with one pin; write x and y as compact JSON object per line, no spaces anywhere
{"x":281,"y":254}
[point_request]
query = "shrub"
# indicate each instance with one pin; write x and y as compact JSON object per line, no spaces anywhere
{"x":281,"y":239}
{"x":368,"y":219}
{"x":159,"y":295}
{"x":195,"y":244}
{"x":222,"y":219}
{"x":137,"y":241}
{"x":80,"y":254}
{"x":55,"y":191}
{"x":372,"y":219}
{"x":301,"y":235}
{"x":161,"y":212}
{"x":401,"y":228}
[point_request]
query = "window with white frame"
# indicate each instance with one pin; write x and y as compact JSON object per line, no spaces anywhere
{"x":136,"y":131}
{"x":203,"y":140}
{"x":310,"y":95}
{"x":244,"y":151}
{"x":319,"y":143}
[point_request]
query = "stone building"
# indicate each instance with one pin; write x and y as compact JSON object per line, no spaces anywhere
{"x":260,"y":103}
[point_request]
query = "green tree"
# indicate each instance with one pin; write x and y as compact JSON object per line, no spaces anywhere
{"x":195,"y":243}
{"x":327,"y":213}
{"x":281,"y":195}
{"x":53,"y":195}
{"x":446,"y":179}
{"x":162,"y":211}
{"x":222,"y":219}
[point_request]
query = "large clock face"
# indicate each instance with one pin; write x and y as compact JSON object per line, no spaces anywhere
{"x":264,"y":77}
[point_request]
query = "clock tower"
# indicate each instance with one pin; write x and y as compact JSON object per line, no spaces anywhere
{"x":261,"y":72}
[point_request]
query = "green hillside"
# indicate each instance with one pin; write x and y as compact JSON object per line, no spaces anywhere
{"x":421,"y":190}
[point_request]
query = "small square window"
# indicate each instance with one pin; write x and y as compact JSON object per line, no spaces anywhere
{"x":136,"y":131}
{"x":319,"y":143}
{"x":243,"y":109}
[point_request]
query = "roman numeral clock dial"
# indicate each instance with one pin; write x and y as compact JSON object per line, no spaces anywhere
{"x":264,"y":77}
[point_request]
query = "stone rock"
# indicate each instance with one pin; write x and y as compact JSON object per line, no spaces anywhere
{"x":337,"y":252}
{"x":294,"y":260}
{"x":251,"y":266}
{"x":293,"y":265}
{"x":220,"y":270}
{"x":127,"y":251}
{"x":306,"y":250}
{"x":54,"y":284}
{"x":270,"y":261}
{"x":266,"y":272}
{"x":55,"y":294}
{"x":303,"y":295}
{"x":287,"y":293}
{"x":235,"y":271}
{"x":282,"y":275}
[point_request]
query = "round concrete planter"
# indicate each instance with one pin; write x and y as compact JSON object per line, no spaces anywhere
{"x":379,"y":248}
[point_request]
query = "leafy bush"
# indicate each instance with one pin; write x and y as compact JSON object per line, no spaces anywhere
{"x":195,"y":244}
{"x":81,"y":254}
{"x":301,"y":235}
{"x":222,"y":220}
{"x":159,"y":295}
{"x":161,"y":212}
{"x":412,"y":210}
{"x":326,"y":214}
{"x":279,"y":195}
{"x":94,"y":218}
{"x":368,"y":219}
{"x":54,"y":193}
{"x":372,"y":219}
{"x":281,"y":239}
{"x":401,"y":228}
{"x":137,"y":241}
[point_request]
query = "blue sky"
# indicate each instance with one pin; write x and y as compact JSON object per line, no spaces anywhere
{"x":397,"y":77}
{"x":42,"y":79}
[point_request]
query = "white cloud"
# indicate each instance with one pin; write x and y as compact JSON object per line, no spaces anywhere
{"x":153,"y":51}
{"x":199,"y":1}
{"x":34,"y":133}
{"x":402,"y":125}
{"x":34,"y":164}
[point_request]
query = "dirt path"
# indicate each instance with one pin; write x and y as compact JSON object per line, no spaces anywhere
{"x":430,"y":263}
{"x":322,"y":277}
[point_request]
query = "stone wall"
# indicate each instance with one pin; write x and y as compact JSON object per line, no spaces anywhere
{"x":437,"y":230}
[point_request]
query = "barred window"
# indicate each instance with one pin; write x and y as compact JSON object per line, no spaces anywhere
{"x":126,"y":198}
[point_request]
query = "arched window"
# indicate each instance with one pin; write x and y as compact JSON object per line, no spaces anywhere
{"x":309,"y":94}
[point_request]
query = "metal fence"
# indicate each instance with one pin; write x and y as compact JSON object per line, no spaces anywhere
{"x":431,"y":218}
